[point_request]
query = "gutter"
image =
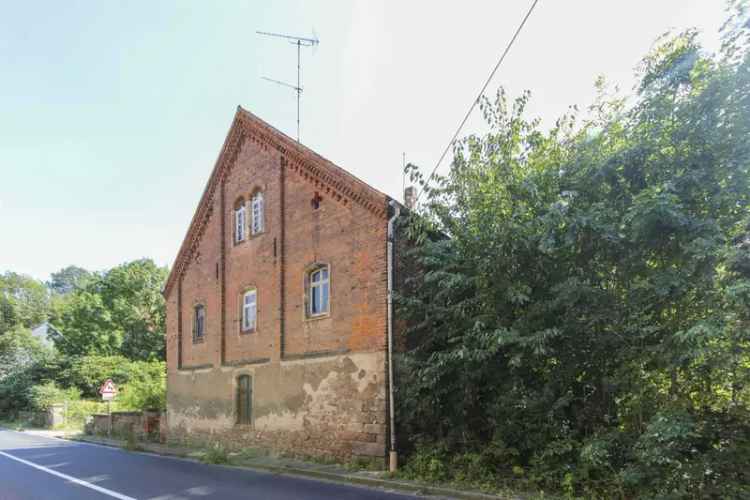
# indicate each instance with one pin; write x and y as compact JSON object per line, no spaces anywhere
{"x":392,"y":456}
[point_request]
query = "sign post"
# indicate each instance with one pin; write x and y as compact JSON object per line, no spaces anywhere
{"x":108,"y":390}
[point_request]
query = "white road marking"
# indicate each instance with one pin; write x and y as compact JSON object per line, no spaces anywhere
{"x":72,"y":479}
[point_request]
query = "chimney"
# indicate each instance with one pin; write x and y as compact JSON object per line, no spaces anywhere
{"x":410,"y":197}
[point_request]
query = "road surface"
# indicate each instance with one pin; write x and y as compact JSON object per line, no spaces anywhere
{"x":34,"y":467}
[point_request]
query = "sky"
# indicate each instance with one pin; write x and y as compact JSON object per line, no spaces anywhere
{"x":113,"y":113}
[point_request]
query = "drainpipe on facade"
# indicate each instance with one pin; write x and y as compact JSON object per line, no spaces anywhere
{"x":392,"y":456}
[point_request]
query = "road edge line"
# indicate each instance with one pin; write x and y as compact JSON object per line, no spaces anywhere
{"x":72,"y":479}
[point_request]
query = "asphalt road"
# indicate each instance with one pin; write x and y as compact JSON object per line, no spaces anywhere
{"x":33,"y":467}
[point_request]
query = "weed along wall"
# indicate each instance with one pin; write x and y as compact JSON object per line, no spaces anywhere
{"x":276,"y":305}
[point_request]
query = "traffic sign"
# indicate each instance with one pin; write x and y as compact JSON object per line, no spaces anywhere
{"x":108,"y":390}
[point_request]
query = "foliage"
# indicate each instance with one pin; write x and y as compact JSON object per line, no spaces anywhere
{"x":88,"y":373}
{"x":587,"y":305}
{"x":24,"y":361}
{"x":23,"y":302}
{"x":104,"y":325}
{"x":147,"y":387}
{"x":119,"y":312}
{"x":142,"y":384}
{"x":68,"y":279}
{"x":43,"y":396}
{"x":216,"y":454}
{"x":78,"y":410}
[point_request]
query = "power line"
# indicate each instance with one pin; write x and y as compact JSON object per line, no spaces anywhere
{"x":481,"y":92}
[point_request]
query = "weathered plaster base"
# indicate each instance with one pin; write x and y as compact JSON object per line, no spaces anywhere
{"x":333,"y":406}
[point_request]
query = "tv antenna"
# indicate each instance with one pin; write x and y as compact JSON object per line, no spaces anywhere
{"x":299,"y":42}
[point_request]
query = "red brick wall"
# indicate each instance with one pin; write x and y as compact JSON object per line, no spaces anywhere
{"x":351,"y":240}
{"x":251,"y":263}
{"x":341,"y":233}
{"x":200,"y":285}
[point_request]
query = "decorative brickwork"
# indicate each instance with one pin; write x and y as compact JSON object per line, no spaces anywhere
{"x":319,"y":384}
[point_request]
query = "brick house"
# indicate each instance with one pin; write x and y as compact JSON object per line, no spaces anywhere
{"x":277,"y":305}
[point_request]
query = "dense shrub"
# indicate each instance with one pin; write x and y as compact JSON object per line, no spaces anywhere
{"x":43,"y":396}
{"x":147,"y":387}
{"x":584,"y":295}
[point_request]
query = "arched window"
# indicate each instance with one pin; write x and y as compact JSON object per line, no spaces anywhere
{"x":249,"y":310}
{"x":199,"y":322}
{"x":244,"y":399}
{"x":318,"y":291}
{"x":239,"y":221}
{"x":256,"y":213}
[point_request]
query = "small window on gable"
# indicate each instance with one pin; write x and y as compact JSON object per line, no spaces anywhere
{"x":256,"y":214}
{"x":318,"y":291}
{"x":249,"y":310}
{"x":239,"y":222}
{"x":244,"y":399}
{"x":199,"y":322}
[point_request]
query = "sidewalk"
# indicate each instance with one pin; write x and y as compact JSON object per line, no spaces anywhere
{"x":327,"y":472}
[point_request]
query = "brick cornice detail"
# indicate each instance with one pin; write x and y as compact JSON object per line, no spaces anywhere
{"x":334,"y":181}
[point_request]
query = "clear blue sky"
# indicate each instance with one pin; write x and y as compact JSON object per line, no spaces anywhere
{"x":112,"y":113}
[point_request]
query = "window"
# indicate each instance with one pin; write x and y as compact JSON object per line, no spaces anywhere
{"x":318,"y":294}
{"x":249,"y":310}
{"x":256,"y":214}
{"x":199,"y":322}
{"x":244,"y":399}
{"x":239,"y":223}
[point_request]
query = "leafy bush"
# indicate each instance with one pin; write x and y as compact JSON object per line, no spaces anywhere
{"x":88,"y":373}
{"x":43,"y":396}
{"x":216,"y":454}
{"x":583,"y":292}
{"x":147,"y":388}
{"x":78,"y":411}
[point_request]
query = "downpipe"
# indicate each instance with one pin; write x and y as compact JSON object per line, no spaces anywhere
{"x":392,"y":456}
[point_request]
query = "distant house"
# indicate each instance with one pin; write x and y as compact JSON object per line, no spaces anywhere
{"x":278,"y":316}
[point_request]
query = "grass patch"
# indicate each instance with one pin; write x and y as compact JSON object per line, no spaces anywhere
{"x":249,"y":454}
{"x":215,"y":454}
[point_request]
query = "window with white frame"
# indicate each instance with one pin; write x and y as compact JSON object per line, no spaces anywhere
{"x":318,"y":291}
{"x":239,"y":222}
{"x":256,"y":214}
{"x":249,"y":310}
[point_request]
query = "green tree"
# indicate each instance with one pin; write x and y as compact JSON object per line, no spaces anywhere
{"x":68,"y":279}
{"x":24,"y":361}
{"x":585,"y":312}
{"x":119,"y":312}
{"x":24,"y":301}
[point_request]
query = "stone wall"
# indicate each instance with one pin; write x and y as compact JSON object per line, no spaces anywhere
{"x":327,"y":407}
{"x":52,"y":417}
{"x":141,"y":425}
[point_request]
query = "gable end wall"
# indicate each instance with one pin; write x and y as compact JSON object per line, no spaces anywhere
{"x":319,"y":386}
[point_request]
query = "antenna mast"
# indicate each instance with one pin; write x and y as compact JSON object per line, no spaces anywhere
{"x":299,"y":42}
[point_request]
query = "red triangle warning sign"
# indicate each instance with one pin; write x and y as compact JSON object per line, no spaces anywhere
{"x":108,"y":387}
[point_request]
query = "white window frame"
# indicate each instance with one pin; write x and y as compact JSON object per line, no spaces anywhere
{"x":239,"y":223}
{"x":256,"y":213}
{"x":322,"y":287}
{"x":248,"y":306}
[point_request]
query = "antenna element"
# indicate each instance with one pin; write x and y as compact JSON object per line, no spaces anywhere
{"x":299,"y":42}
